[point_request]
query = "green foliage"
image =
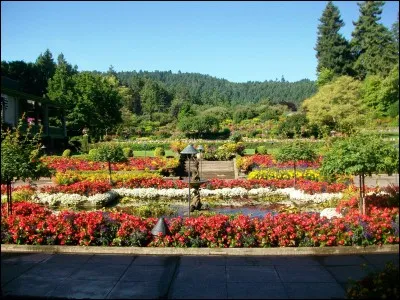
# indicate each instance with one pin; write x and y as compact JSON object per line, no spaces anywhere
{"x":154,"y":98}
{"x":92,"y":153}
{"x":85,"y":143}
{"x":295,"y":152}
{"x":20,"y":153}
{"x":159,"y":152}
{"x":358,"y":155}
{"x":236,"y":137}
{"x":336,"y":106}
{"x":66,"y":153}
{"x":294,"y":125}
{"x":228,"y":151}
{"x":152,"y":210}
{"x":333,"y":50}
{"x":376,"y":285}
{"x":110,"y":153}
{"x":325,"y":76}
{"x":380,"y":93}
{"x":262,"y":150}
{"x":127,"y":152}
{"x":372,"y":43}
{"x":20,"y":157}
{"x":243,"y":113}
{"x":199,"y":89}
{"x":199,"y":126}
{"x":91,"y":101}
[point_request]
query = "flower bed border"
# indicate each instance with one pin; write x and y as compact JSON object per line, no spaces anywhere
{"x":275,"y":251}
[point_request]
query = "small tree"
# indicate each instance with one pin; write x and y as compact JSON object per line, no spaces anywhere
{"x":295,"y":152}
{"x":360,"y":155}
{"x":110,"y":153}
{"x":20,"y":158}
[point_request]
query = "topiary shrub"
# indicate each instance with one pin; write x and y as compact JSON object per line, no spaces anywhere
{"x":92,"y":153}
{"x":110,"y":153}
{"x":85,"y":144}
{"x":127,"y":152}
{"x":261,"y":150}
{"x":159,"y":152}
{"x":66,"y":153}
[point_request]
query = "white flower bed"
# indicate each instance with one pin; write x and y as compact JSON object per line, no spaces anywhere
{"x":316,"y":198}
{"x":152,"y":193}
{"x":74,"y":199}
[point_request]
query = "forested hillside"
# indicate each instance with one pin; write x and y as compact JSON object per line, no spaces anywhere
{"x":205,"y":89}
{"x":357,"y":88}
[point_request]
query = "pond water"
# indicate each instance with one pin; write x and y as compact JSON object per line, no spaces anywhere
{"x":175,"y":210}
{"x":253,"y":211}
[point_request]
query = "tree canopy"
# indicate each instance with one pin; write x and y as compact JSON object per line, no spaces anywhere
{"x":333,"y":50}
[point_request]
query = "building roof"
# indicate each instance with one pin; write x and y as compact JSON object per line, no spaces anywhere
{"x":13,"y":88}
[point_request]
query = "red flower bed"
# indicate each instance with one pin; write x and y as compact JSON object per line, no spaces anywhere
{"x":86,"y":187}
{"x":267,"y":161}
{"x":62,"y":164}
{"x":308,"y":186}
{"x":34,"y":224}
{"x":17,"y":188}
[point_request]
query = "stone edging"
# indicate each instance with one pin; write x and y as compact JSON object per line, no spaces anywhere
{"x":297,"y":251}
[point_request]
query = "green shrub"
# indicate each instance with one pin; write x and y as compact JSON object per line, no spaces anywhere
{"x":262,"y":150}
{"x":127,"y":152}
{"x":236,"y":137}
{"x":66,"y":153}
{"x":92,"y":153}
{"x":377,"y":285}
{"x":159,"y":151}
{"x":229,"y":151}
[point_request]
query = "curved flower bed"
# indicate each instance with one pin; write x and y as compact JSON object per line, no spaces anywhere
{"x":228,"y":194}
{"x":62,"y":164}
{"x":34,"y":224}
{"x":307,"y":186}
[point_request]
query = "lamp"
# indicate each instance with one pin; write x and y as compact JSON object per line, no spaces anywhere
{"x":189,"y":151}
{"x":43,"y":148}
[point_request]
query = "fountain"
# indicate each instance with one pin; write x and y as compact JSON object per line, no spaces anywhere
{"x":195,"y":203}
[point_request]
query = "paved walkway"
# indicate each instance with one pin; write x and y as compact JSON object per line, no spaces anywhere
{"x":97,"y":276}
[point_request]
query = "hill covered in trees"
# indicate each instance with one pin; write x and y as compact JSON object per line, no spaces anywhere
{"x":208,"y":90}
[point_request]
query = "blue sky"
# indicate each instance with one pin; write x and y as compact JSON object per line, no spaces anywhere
{"x":238,"y":41}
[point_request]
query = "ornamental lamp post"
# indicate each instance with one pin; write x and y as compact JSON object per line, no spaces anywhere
{"x":200,"y":155}
{"x":189,"y":151}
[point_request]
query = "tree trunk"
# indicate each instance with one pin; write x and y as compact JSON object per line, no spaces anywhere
{"x":9,"y":198}
{"x":363,"y":195}
{"x":362,"y":204}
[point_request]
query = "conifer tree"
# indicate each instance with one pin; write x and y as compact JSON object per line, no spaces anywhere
{"x":372,"y":43}
{"x":333,"y":50}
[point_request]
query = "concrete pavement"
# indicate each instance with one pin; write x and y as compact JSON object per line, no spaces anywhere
{"x":117,"y":276}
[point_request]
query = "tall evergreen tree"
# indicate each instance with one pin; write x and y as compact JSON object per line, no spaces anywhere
{"x":372,"y":43}
{"x":395,"y":33}
{"x":333,"y":50}
{"x":46,"y":68}
{"x":61,"y":61}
